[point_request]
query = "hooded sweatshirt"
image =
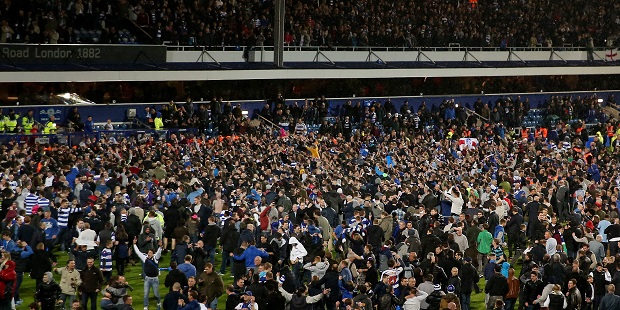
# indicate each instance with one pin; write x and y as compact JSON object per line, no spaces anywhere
{"x":317,"y":269}
{"x":298,"y":251}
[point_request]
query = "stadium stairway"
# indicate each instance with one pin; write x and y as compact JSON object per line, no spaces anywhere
{"x":612,"y":110}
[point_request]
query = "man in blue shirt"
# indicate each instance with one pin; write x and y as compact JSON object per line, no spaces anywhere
{"x":7,"y":243}
{"x":187,"y":268}
{"x":20,"y":255}
{"x":89,"y":126}
{"x":51,"y":230}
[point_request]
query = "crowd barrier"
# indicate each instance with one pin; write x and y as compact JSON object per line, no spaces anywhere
{"x":75,"y":138}
{"x":121,"y":112}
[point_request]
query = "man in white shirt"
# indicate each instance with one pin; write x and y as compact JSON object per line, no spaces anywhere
{"x":49,"y":180}
{"x":414,"y":299}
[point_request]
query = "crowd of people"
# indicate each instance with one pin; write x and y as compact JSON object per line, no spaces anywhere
{"x":370,"y":214}
{"x":317,"y":23}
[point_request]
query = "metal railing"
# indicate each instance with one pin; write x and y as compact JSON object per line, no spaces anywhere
{"x":454,"y":48}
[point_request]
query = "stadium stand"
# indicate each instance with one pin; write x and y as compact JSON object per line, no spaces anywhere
{"x":314,"y":23}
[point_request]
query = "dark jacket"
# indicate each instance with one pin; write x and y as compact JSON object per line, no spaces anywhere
{"x":259,"y":293}
{"x":26,"y":232}
{"x":275,"y":301}
{"x":514,"y":224}
{"x":38,"y":236}
{"x":497,"y":285}
{"x":47,"y":292}
{"x":375,"y":236}
{"x":229,"y":238}
{"x":192,"y":305}
{"x":232,"y":301}
{"x":171,"y":301}
{"x":21,"y":258}
{"x":469,"y":276}
{"x":211,"y":285}
{"x":211,"y":233}
{"x":610,"y":302}
{"x":198,"y":255}
{"x":531,"y":290}
{"x":92,"y":279}
{"x":239,"y":265}
{"x":556,"y":301}
{"x":574,"y":299}
{"x":537,"y":230}
{"x":40,"y":263}
{"x":175,"y":275}
{"x":330,"y":279}
{"x":599,"y":282}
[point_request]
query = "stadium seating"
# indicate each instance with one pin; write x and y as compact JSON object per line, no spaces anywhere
{"x":442,"y":23}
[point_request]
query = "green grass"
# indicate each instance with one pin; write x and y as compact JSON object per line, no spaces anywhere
{"x":132,"y":273}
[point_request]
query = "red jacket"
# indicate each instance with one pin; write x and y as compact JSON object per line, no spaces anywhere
{"x":8,"y":279}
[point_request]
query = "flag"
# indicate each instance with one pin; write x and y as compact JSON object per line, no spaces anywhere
{"x":468,"y":143}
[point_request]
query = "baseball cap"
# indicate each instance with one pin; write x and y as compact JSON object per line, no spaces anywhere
{"x":248,"y":293}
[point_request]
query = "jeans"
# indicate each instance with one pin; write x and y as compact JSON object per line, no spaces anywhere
{"x":296,"y":274}
{"x":107,"y":275}
{"x":465,"y":301}
{"x":330,"y":304}
{"x":63,"y":297}
{"x":572,"y":253}
{"x":213,"y":304}
{"x":226,"y":260}
{"x":151,"y":282}
{"x":482,"y":261}
{"x":597,"y":301}
{"x":120,"y":265}
{"x":50,"y":244}
{"x":18,"y":283}
{"x":613,"y":248}
{"x":62,"y":239}
{"x":211,"y":254}
{"x":516,"y":256}
{"x":509,"y":304}
{"x":93,"y":300}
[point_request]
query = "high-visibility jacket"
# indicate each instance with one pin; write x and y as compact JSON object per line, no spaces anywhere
{"x":10,"y":124}
{"x":525,"y":133}
{"x":159,"y":123}
{"x":27,"y":123}
{"x":541,"y":132}
{"x":50,"y":128}
{"x":610,"y":130}
{"x":2,"y":123}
